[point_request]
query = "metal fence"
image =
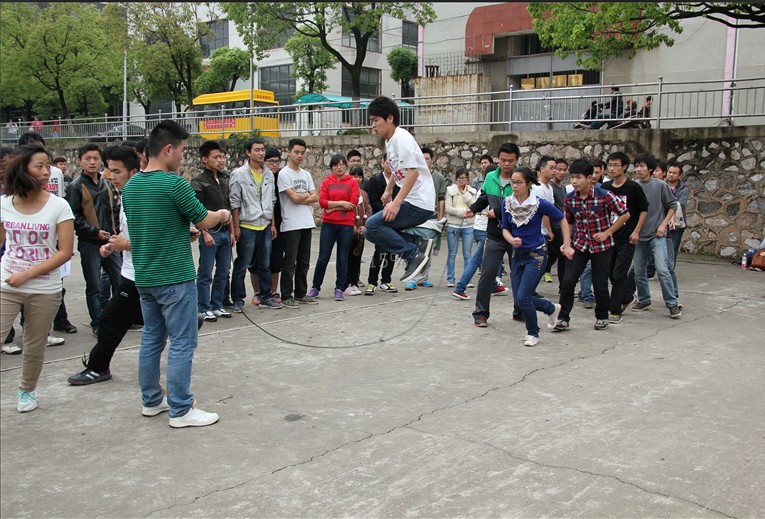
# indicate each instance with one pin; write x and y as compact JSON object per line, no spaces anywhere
{"x":674,"y":105}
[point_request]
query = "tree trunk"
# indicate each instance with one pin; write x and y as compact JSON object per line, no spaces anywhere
{"x":62,"y":102}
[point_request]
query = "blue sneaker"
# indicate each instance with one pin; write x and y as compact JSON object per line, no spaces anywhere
{"x":426,"y":284}
{"x":410,"y":286}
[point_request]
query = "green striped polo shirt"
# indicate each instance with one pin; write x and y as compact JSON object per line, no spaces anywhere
{"x":159,"y":207}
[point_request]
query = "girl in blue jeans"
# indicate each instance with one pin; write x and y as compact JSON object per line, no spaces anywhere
{"x":522,"y":214}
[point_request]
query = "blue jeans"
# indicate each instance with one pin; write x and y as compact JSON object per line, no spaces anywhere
{"x":671,"y":264}
{"x":585,"y":284}
{"x":453,"y":235}
{"x":253,"y":248}
{"x":656,"y":247}
{"x":219,"y":255}
{"x":527,"y":269}
{"x":387,"y":235}
{"x":330,"y":234}
{"x":91,"y":271}
{"x":474,"y":262}
{"x":169,"y":311}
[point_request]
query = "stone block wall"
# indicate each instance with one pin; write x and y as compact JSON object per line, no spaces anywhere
{"x":723,"y":168}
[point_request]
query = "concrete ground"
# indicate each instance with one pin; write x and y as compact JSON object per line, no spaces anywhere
{"x":397,"y":406}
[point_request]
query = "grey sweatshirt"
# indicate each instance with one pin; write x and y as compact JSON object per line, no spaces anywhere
{"x":256,"y":206}
{"x":660,"y":200}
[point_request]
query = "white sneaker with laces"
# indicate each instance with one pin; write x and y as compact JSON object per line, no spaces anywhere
{"x":27,"y":401}
{"x":209,"y":316}
{"x":222,"y":313}
{"x":55,"y":341}
{"x":552,"y":319}
{"x":194,"y":418}
{"x":531,"y":341}
{"x":157,"y":409}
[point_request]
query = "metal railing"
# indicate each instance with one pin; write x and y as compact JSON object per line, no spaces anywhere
{"x":674,"y":104}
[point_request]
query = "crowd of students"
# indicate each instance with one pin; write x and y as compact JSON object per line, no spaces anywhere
{"x":135,"y":220}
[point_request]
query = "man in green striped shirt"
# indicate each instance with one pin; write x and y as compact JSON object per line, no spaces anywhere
{"x":160,"y":208}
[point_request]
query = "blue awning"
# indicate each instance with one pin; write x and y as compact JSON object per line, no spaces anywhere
{"x":339,"y":101}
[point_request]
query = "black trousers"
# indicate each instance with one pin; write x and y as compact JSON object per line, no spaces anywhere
{"x":554,"y":255}
{"x":384,"y":260}
{"x":494,"y":251}
{"x":122,"y":310}
{"x":297,"y":261}
{"x":601,"y":263}
{"x":621,"y":259}
{"x":353,"y":275}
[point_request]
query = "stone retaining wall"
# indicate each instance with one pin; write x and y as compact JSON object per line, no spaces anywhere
{"x":723,"y":168}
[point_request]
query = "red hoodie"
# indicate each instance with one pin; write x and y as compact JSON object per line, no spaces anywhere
{"x":345,"y":190}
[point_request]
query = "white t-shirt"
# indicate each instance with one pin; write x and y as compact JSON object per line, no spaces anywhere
{"x":55,"y":182}
{"x":545,"y":192}
{"x":404,"y":153}
{"x":30,"y":239}
{"x":128,"y":271}
{"x":295,"y":216}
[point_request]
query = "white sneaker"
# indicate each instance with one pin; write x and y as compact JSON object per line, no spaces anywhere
{"x":531,"y":340}
{"x":157,"y":409}
{"x":356,"y":291}
{"x":27,"y":401}
{"x":194,"y":418}
{"x":55,"y":341}
{"x":470,"y":285}
{"x":222,"y":313}
{"x":552,"y":319}
{"x":11,"y":349}
{"x":209,"y":316}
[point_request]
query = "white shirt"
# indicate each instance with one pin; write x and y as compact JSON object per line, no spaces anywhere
{"x":545,"y":192}
{"x":295,"y":216}
{"x":55,"y":182}
{"x":31,"y":239}
{"x":403,"y":154}
{"x":128,"y":271}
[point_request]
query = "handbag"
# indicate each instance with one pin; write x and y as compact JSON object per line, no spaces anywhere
{"x":679,"y":218}
{"x":758,"y":260}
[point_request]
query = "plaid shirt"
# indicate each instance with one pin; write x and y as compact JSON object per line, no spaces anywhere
{"x":592,"y":215}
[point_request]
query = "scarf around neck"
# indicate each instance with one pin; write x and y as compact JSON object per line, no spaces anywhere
{"x":521,"y":213}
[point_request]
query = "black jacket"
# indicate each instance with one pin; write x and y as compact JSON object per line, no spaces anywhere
{"x":491,"y":195}
{"x":375,"y":188}
{"x":96,"y":207}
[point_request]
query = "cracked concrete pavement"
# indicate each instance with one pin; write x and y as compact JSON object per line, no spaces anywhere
{"x":396,"y":406}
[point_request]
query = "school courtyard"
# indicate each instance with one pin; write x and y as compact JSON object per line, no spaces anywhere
{"x":395,"y":405}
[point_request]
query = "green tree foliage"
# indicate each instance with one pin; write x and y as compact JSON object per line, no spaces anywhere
{"x":262,"y":25}
{"x":227,"y":66}
{"x":598,"y":31}
{"x":403,"y":66}
{"x":59,"y":57}
{"x":164,"y":44}
{"x":311,"y":62}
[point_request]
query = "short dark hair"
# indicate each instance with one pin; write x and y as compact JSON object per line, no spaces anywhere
{"x":106,"y":153}
{"x":252,"y":142}
{"x":336,"y":159}
{"x":647,"y":159}
{"x":561,"y":161}
{"x":353,"y":153}
{"x":649,"y":98}
{"x":429,"y":151}
{"x":16,"y":180}
{"x":126,"y":155}
{"x":59,"y":158}
{"x":382,"y":106}
{"x":487,"y":156}
{"x":674,"y":164}
{"x":357,"y":171}
{"x":510,"y":147}
{"x":129,"y":143}
{"x":141,"y":146}
{"x":462,"y":170}
{"x":528,"y":175}
{"x":208,"y":147}
{"x":544,"y":159}
{"x":271,"y":153}
{"x":580,"y":167}
{"x":597,"y":163}
{"x":26,"y":137}
{"x":661,"y":165}
{"x":90,"y":146}
{"x":621,"y":157}
{"x":6,"y":152}
{"x":296,"y":142}
{"x":166,"y":132}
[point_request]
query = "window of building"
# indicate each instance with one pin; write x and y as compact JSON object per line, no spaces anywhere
{"x":281,"y":37}
{"x":530,"y":45}
{"x":409,"y":35}
{"x":370,"y":83}
{"x":216,"y":37}
{"x":278,"y":80}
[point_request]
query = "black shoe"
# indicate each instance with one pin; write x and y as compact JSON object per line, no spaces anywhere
{"x":94,"y":329}
{"x":480,"y":321}
{"x":519,"y":318}
{"x":65,"y":327}
{"x":88,"y":376}
{"x":414,"y":267}
{"x":228,"y":302}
